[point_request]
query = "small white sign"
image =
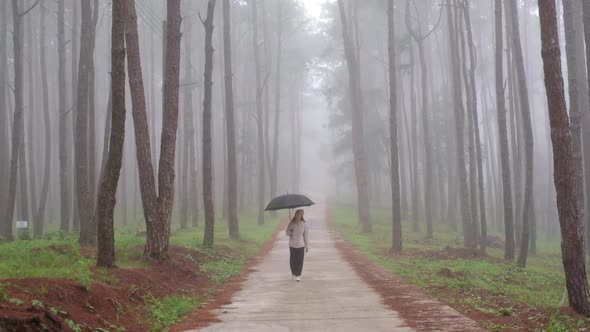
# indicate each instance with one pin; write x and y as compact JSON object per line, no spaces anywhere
{"x":22,"y":224}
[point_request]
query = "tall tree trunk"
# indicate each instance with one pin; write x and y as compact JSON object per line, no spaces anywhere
{"x":299,"y":143}
{"x":223,"y":131}
{"x":209,"y":204}
{"x":572,"y":239}
{"x":64,"y":175}
{"x":194,"y":159}
{"x":569,"y":21}
{"x":155,"y":247}
{"x":107,"y":126}
{"x":154,"y":132}
{"x":459,"y":130}
{"x":473,"y":101}
{"x":275,"y":151}
{"x":87,"y":227}
{"x":503,"y":136}
{"x":265,"y":89}
{"x":232,"y":172}
{"x":4,"y":110}
{"x":259,"y":115}
{"x":428,"y":169}
{"x":188,"y":132}
{"x":156,"y":244}
{"x":17,"y":126}
{"x":473,"y":226}
{"x":528,"y":135}
{"x":396,"y":227}
{"x":40,"y":213}
{"x":586,"y":117}
{"x":414,"y":147}
{"x":109,"y":181}
{"x":30,"y":133}
{"x":293,"y":131}
{"x":75,"y":49}
{"x":92,"y":176}
{"x":358,"y":136}
{"x":515,"y":132}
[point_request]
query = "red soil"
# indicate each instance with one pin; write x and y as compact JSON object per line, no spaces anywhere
{"x":206,"y":315}
{"x":423,"y":313}
{"x":46,"y":304}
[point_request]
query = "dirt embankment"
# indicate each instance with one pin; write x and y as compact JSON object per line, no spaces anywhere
{"x":119,"y":300}
{"x":206,"y":314}
{"x":415,"y":307}
{"x":422,"y":312}
{"x":116,"y":302}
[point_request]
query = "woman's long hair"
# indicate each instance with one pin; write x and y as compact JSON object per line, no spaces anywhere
{"x":298,"y":215}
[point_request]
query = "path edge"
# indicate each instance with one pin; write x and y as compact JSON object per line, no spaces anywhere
{"x":207,"y":314}
{"x":418,"y":310}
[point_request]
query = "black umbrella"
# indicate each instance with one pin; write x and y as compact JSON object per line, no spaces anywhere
{"x":288,"y":201}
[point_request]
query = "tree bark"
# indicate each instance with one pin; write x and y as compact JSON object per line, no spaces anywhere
{"x":575,"y":111}
{"x":232,"y":173}
{"x":75,"y":49}
{"x":414,"y":147}
{"x":358,"y":136}
{"x":87,"y":226}
{"x":155,"y":247}
{"x":515,"y":133}
{"x":259,"y":115}
{"x":17,"y":126}
{"x":109,"y":181}
{"x":572,"y":239}
{"x":107,"y":126}
{"x":275,"y":154}
{"x":503,"y":136}
{"x":474,"y":110}
{"x":29,"y":185}
{"x":40,"y":213}
{"x":428,"y":167}
{"x":92,"y":161}
{"x":472,"y":226}
{"x":460,"y":129}
{"x":209,"y":204}
{"x":64,"y":175}
{"x":4,"y":110}
{"x":396,"y":227}
{"x":267,"y":64}
{"x":189,"y":132}
{"x":586,"y":117}
{"x":156,"y":244}
{"x":528,"y":135}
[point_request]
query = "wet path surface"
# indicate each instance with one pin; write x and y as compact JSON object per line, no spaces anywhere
{"x":330,"y":296}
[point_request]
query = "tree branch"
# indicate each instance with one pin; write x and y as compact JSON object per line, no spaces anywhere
{"x":201,"y":19}
{"x":28,"y":10}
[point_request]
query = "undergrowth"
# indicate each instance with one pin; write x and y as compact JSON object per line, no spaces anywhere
{"x":540,"y":285}
{"x":58,"y":255}
{"x":167,"y":311}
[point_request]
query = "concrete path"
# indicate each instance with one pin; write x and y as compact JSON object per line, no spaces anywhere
{"x":330,"y":296}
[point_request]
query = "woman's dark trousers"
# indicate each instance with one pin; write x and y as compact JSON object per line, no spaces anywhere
{"x":296,"y":260}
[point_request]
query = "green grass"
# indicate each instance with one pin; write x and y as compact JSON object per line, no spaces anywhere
{"x":165,"y":312}
{"x":541,"y":284}
{"x":224,"y":268}
{"x":51,"y":257}
{"x":57,"y":255}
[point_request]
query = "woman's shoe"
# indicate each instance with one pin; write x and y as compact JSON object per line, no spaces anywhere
{"x":298,"y":279}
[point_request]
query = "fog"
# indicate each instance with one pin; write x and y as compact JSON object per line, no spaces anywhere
{"x":318,"y":134}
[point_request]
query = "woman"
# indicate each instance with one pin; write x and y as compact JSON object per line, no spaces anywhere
{"x":298,"y":243}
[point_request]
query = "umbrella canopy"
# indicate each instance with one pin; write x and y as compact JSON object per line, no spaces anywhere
{"x":288,"y":201}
